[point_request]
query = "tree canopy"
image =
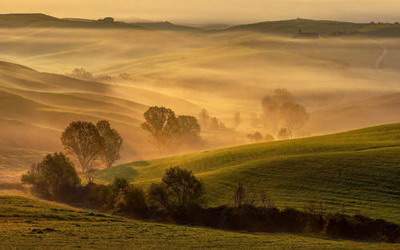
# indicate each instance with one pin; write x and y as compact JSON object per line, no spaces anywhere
{"x":82,"y":140}
{"x":112,"y":142}
{"x":54,"y":177}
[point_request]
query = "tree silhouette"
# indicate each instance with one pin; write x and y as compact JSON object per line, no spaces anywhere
{"x":162,"y":124}
{"x":83,"y":141}
{"x":112,"y":142}
{"x":54,"y":177}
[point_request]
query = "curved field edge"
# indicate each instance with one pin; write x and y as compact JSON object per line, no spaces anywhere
{"x":354,"y":172}
{"x":27,"y":222}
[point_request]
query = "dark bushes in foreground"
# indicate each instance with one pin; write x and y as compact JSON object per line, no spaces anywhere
{"x":179,"y":199}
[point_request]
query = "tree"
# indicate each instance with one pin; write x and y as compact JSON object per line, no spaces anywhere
{"x":112,"y":142}
{"x":284,"y":134}
{"x":158,"y":196}
{"x":179,"y":189}
{"x":162,"y":124}
{"x":294,"y":116}
{"x":84,"y":142}
{"x":204,"y":118}
{"x":189,"y":129}
{"x":54,"y":177}
{"x":256,"y":136}
{"x":281,"y":110}
{"x":128,"y":198}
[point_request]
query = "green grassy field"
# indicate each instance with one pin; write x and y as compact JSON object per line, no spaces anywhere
{"x":26,"y":223}
{"x":352,"y":172}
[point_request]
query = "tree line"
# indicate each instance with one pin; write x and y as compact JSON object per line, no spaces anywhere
{"x":180,"y":198}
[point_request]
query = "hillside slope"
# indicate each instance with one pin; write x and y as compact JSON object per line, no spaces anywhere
{"x":38,"y":20}
{"x":357,"y":171}
{"x":27,"y":222}
{"x":35,"y":108}
{"x":321,"y":27}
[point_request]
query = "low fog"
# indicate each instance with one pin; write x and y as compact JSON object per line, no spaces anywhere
{"x":240,"y":86}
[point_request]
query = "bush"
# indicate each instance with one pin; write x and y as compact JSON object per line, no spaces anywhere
{"x":53,"y":178}
{"x":362,"y":228}
{"x":132,"y":201}
{"x":179,"y":190}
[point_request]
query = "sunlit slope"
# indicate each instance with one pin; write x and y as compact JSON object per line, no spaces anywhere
{"x":26,"y":223}
{"x":35,"y":108}
{"x":355,"y":171}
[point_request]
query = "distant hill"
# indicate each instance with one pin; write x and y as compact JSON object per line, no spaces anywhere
{"x":45,"y":21}
{"x":321,"y":27}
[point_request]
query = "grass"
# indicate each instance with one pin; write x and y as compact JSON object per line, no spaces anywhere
{"x":352,"y":172}
{"x":26,"y":223}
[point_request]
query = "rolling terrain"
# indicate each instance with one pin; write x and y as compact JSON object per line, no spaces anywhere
{"x":27,"y":221}
{"x":355,"y":171}
{"x":345,"y":83}
{"x":35,"y":108}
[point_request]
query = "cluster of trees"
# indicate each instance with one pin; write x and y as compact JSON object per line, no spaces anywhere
{"x":85,"y":75}
{"x":213,"y":123}
{"x":168,"y":130}
{"x":179,"y":198}
{"x":282,"y":114}
{"x":87,"y":143}
{"x":257,"y":137}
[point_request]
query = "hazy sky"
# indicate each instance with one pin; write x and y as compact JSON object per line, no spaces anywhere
{"x":212,"y":10}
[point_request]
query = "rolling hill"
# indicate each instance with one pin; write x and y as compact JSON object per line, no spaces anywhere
{"x":38,"y":20}
{"x":26,"y":222}
{"x":35,"y":107}
{"x":356,"y":171}
{"x":321,"y":27}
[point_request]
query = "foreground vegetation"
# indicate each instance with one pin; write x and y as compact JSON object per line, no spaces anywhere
{"x":26,"y":222}
{"x":353,"y":172}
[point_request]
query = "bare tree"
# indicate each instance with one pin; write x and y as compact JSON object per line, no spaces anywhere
{"x":112,"y":142}
{"x":83,"y":141}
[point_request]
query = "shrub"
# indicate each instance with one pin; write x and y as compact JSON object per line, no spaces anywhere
{"x":182,"y":187}
{"x":54,"y":177}
{"x":132,"y":201}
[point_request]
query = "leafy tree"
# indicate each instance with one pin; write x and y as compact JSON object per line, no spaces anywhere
{"x":256,"y":136}
{"x":54,"y":177}
{"x":183,"y":188}
{"x":294,"y":116}
{"x":162,"y":125}
{"x":158,"y":196}
{"x":189,"y":129}
{"x":284,"y":133}
{"x":128,"y":198}
{"x":112,"y":142}
{"x":281,"y":110}
{"x":179,"y":189}
{"x":83,"y":141}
